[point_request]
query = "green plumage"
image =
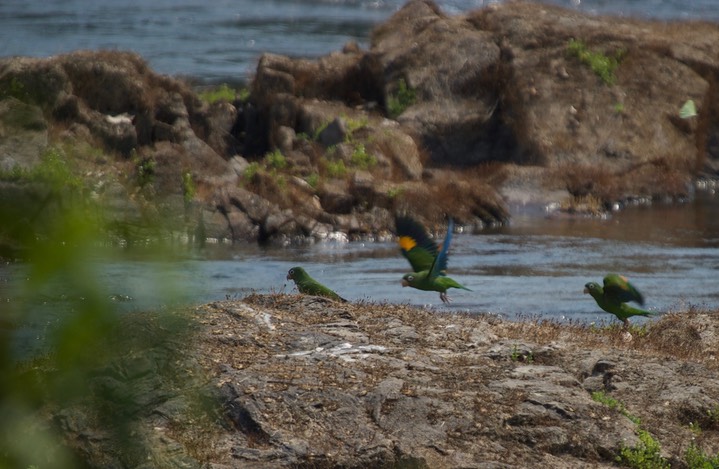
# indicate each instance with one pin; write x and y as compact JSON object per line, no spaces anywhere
{"x":429,"y":263}
{"x":614,"y":295}
{"x":309,"y":286}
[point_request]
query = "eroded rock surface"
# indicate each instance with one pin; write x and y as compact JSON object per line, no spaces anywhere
{"x":301,"y":381}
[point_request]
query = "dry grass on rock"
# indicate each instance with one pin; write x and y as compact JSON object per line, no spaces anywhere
{"x":307,"y":381}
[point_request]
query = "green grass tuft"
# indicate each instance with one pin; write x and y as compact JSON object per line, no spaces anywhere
{"x":646,"y":455}
{"x":398,"y":102}
{"x":601,"y":64}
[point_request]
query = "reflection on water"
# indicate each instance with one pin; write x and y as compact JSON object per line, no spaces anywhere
{"x":535,"y":267}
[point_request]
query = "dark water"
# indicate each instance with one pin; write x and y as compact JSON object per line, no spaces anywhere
{"x":221,"y":40}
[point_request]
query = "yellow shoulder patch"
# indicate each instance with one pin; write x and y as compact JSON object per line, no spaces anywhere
{"x":407,"y":243}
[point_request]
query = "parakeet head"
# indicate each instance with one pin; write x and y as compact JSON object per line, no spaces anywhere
{"x":408,"y":280}
{"x":593,"y":288}
{"x":296,"y":273}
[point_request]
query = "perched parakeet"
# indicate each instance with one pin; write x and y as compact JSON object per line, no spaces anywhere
{"x":615,"y":294}
{"x":429,"y":263}
{"x":309,"y":286}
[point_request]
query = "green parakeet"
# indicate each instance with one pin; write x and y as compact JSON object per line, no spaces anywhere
{"x":615,"y":294}
{"x":309,"y":286}
{"x":429,"y":263}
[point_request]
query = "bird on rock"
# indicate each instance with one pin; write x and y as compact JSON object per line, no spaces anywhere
{"x":428,"y":261}
{"x":309,"y":286}
{"x":615,"y":294}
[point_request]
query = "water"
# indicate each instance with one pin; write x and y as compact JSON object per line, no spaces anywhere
{"x":536,"y":267}
{"x":221,"y":40}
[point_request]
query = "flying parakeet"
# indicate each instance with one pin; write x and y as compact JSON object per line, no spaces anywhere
{"x":429,"y":263}
{"x":309,"y":286}
{"x":615,"y":294}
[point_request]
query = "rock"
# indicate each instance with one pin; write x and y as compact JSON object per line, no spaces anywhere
{"x":301,"y":380}
{"x":334,"y":134}
{"x":334,"y":196}
{"x":499,"y":108}
{"x":23,"y":135}
{"x":455,"y":76}
{"x":402,"y":150}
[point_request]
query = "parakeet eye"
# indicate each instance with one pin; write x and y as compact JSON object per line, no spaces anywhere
{"x":410,"y":278}
{"x":292,"y":271}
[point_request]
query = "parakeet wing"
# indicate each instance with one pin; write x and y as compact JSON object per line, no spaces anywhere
{"x":415,"y":244}
{"x":440,"y":262}
{"x":618,"y":288}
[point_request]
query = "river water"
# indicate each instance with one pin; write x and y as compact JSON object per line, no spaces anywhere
{"x":221,"y":40}
{"x":534,"y":267}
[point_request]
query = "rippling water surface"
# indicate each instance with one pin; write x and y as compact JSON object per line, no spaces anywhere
{"x":535,"y":267}
{"x":221,"y":40}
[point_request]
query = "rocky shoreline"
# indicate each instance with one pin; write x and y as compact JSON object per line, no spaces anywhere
{"x":302,"y":381}
{"x":444,"y":115}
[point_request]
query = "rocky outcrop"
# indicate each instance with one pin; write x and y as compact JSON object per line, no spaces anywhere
{"x":444,"y":115}
{"x":301,"y":381}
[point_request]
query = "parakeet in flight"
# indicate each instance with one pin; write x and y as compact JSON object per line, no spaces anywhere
{"x":615,"y":294}
{"x":429,"y":263}
{"x":309,"y":286}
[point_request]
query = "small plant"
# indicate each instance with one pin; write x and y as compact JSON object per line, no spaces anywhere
{"x":695,"y":458}
{"x":320,"y":129}
{"x":646,"y":455}
{"x":14,"y":89}
{"x":353,"y":125}
{"x":713,"y":415}
{"x":612,"y":403}
{"x":619,"y":108}
{"x":336,"y":169}
{"x":145,"y":171}
{"x":514,"y":356}
{"x":220,"y":93}
{"x":243,"y":95}
{"x":251,"y":171}
{"x":695,"y":428}
{"x":518,"y":355}
{"x":601,"y":64}
{"x":275,"y":160}
{"x":313,"y":180}
{"x":362,"y":159}
{"x":395,"y":192}
{"x":404,"y":97}
{"x":188,"y":187}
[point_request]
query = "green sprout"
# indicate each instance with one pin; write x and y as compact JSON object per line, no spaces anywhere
{"x":601,"y":64}
{"x":336,"y":168}
{"x":275,"y":160}
{"x":361,"y":159}
{"x":220,"y":93}
{"x":646,"y":455}
{"x":398,"y":102}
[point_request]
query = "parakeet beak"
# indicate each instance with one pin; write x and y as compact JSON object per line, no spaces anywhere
{"x":586,"y":290}
{"x":289,"y":277}
{"x":405,"y":283}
